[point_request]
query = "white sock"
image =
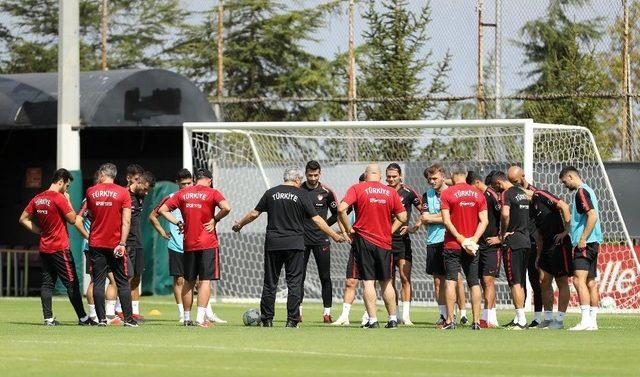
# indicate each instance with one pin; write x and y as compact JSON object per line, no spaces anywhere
{"x":180,"y":311}
{"x":48,"y":319}
{"x":111,"y":307}
{"x":135,"y":306}
{"x":201,"y":313}
{"x":365,"y":316}
{"x":406,"y":309}
{"x":594,"y":315}
{"x":485,"y":314}
{"x":443,"y":310}
{"x":300,"y":310}
{"x":84,"y":318}
{"x":92,"y":311}
{"x":537,"y":316}
{"x":463,"y":313}
{"x":373,"y":319}
{"x":521,"y":318}
{"x":560,"y":317}
{"x":548,"y":315}
{"x":586,"y":316}
{"x":346,"y":309}
{"x":209,"y":310}
{"x":187,"y":315}
{"x":393,"y":318}
{"x":327,"y":311}
{"x":118,"y":306}
{"x":493,"y":316}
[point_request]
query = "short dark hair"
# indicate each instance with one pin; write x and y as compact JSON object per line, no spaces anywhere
{"x":569,"y":169}
{"x":362,"y":177}
{"x":498,"y":176}
{"x":489,"y":177}
{"x":149,"y":178}
{"x":203,"y":173}
{"x":472,"y":176}
{"x":62,"y":174}
{"x":134,"y":169}
{"x":395,"y":166}
{"x":183,"y":174}
{"x":312,"y":165}
{"x":434,"y":169}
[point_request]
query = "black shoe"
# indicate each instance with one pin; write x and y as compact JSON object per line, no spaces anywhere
{"x":533,"y":324}
{"x":267,"y":323}
{"x":449,"y":326}
{"x":374,"y":325}
{"x":87,"y":322}
{"x":441,"y":321}
{"x":475,"y":326}
{"x":391,"y":325}
{"x":291,"y":323}
{"x":187,"y":323}
{"x":130,"y":323}
{"x":517,"y":326}
{"x":464,"y":321}
{"x":510,"y":324}
{"x":103,"y":323}
{"x":52,"y":323}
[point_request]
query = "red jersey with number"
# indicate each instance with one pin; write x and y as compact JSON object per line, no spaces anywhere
{"x":105,"y":202}
{"x":49,"y":208}
{"x":464,"y":203}
{"x":374,"y":205}
{"x":197,"y":205}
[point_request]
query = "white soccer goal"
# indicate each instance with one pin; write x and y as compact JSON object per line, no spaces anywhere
{"x":248,"y":158}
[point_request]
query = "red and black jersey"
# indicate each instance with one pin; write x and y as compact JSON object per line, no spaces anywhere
{"x":547,"y":218}
{"x":324,"y":200}
{"x":464,"y":203}
{"x":105,"y":202}
{"x":583,"y":201}
{"x":410,"y":198}
{"x":516,"y":199}
{"x":493,"y":215}
{"x":49,"y":208}
{"x":134,"y":239}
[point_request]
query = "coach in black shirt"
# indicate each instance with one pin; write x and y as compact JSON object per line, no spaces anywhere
{"x":287,"y":206}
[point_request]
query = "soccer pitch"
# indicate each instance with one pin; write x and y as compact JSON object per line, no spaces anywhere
{"x":161,"y":347}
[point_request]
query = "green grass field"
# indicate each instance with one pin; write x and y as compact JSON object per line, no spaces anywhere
{"x":161,"y":347}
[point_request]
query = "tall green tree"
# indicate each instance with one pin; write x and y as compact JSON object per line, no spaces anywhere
{"x":396,"y":64}
{"x":560,"y":51}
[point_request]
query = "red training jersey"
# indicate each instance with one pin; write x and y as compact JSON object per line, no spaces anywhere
{"x":197,"y":204}
{"x":105,"y":202}
{"x":374,"y":205}
{"x":49,"y":207}
{"x":464,"y":203}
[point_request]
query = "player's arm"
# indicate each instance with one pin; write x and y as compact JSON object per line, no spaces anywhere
{"x":585,"y":206}
{"x":483,"y":218}
{"x":343,"y":218}
{"x":323,"y":226}
{"x":76,"y":220}
{"x":539,"y":243}
{"x":27,"y":221}
{"x":126,"y":226}
{"x":432,"y":218}
{"x":153,"y":219}
{"x":399,"y":220}
{"x":504,"y":221}
{"x":224,"y":209}
{"x":414,"y":228}
{"x":448,"y":224}
{"x":563,"y":208}
{"x":248,"y":218}
{"x":165,"y":211}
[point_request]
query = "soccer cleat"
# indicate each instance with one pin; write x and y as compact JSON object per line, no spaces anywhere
{"x":87,"y":322}
{"x":300,"y":319}
{"x":441,"y":321}
{"x":374,"y":325}
{"x":533,"y":325}
{"x":544,"y":324}
{"x":483,"y":324}
{"x":215,"y":319}
{"x":181,"y":320}
{"x":556,"y":325}
{"x":204,"y":324}
{"x":407,"y":322}
{"x":510,"y":324}
{"x":448,"y":326}
{"x":463,"y":321}
{"x":138,"y":318}
{"x":517,"y":327}
{"x":580,"y":327}
{"x":53,"y":322}
{"x":115,"y":321}
{"x":327,"y":318}
{"x":341,"y":322}
{"x":131,"y":323}
{"x":292,"y":324}
{"x":94,"y":319}
{"x":187,"y":323}
{"x":267,"y":323}
{"x":391,"y":325}
{"x":365,"y":319}
{"x":476,"y":326}
{"x":103,"y":323}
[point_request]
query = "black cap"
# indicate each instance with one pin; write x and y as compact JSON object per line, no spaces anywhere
{"x":201,"y":173}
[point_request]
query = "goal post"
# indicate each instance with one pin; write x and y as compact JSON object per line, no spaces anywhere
{"x":248,"y":157}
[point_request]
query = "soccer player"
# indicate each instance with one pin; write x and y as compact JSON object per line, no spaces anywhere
{"x":586,"y":237}
{"x":432,"y":218}
{"x":52,"y":209}
{"x":464,"y":213}
{"x":400,"y":241}
{"x":110,"y":208}
{"x":138,"y":190}
{"x":201,"y":257}
{"x":374,"y":203}
{"x":489,"y":251}
{"x":514,"y":234}
{"x":553,"y":222}
{"x":516,"y":176}
{"x":287,"y":205}
{"x":315,"y":241}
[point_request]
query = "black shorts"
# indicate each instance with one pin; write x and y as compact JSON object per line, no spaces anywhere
{"x":586,"y":259}
{"x":137,"y":258}
{"x":102,"y":261}
{"x":457,"y":261}
{"x":557,"y":259}
{"x":374,"y":262}
{"x":489,"y":261}
{"x":176,"y":263}
{"x":435,"y":259}
{"x":87,"y":262}
{"x":401,"y":249}
{"x":352,"y":266}
{"x":515,"y":265}
{"x":202,"y":264}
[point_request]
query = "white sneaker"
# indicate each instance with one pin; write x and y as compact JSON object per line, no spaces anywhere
{"x":365,"y":319}
{"x":407,"y":322}
{"x":556,"y":325}
{"x":341,"y":322}
{"x":215,"y":319}
{"x":580,"y":327}
{"x":181,"y":320}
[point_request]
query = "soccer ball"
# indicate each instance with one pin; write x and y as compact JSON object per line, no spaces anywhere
{"x":608,"y":303}
{"x":251,"y":317}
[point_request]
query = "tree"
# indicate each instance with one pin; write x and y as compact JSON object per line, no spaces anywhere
{"x":395,"y":64}
{"x":560,"y":51}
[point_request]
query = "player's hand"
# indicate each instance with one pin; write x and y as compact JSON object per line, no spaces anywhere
{"x":506,"y":235}
{"x":119,"y":251}
{"x":236,"y":227}
{"x":404,"y":229}
{"x":210,"y":226}
{"x":164,"y":235}
{"x":337,"y":237}
{"x":559,"y":237}
{"x":494,"y":240}
{"x":582,"y":244}
{"x":413,"y":229}
{"x":180,"y":225}
{"x":347,"y":237}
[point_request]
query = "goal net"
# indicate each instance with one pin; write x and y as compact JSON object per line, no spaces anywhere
{"x":248,"y":158}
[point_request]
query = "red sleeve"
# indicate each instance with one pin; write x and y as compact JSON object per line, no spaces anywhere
{"x":173,"y":202}
{"x":217,"y":197}
{"x":126,"y":202}
{"x":351,"y":196}
{"x":63,"y":204}
{"x":30,"y":207}
{"x":164,"y":200}
{"x":482,"y":201}
{"x":551,"y":199}
{"x":444,"y":201}
{"x":398,"y":207}
{"x":503,"y":199}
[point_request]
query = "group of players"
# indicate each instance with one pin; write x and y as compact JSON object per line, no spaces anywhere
{"x":472,"y":224}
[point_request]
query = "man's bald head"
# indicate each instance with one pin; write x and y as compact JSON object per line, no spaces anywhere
{"x":516,"y":175}
{"x":372,"y":173}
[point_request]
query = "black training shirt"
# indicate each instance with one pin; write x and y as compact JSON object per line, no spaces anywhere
{"x":323,"y":200}
{"x":518,"y":203}
{"x":493,"y":215}
{"x":134,"y":239}
{"x":409,"y":198}
{"x":546,"y":216}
